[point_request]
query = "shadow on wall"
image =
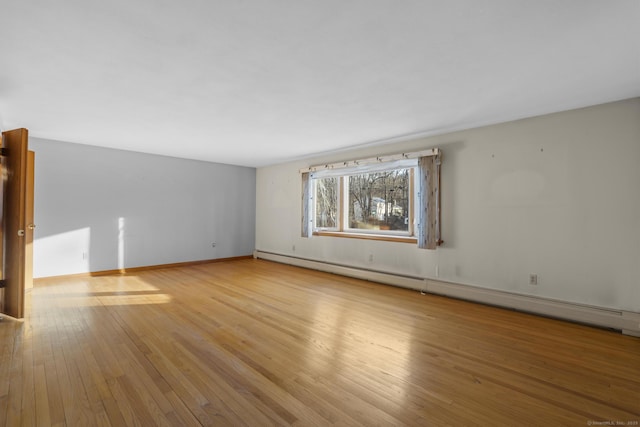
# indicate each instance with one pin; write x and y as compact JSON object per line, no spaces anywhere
{"x":449,"y":186}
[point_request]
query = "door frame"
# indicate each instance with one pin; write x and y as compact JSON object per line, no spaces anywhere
{"x":14,"y":219}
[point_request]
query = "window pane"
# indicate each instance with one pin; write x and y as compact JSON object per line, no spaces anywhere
{"x":379,"y":201}
{"x":326,"y":202}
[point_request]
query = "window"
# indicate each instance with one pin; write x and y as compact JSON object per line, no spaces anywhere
{"x":379,"y":202}
{"x":393,"y":198}
{"x":327,"y":206}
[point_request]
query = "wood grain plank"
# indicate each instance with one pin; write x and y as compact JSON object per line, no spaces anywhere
{"x":249,"y":342}
{"x":41,"y":399}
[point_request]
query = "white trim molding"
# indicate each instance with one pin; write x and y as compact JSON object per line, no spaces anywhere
{"x":628,"y":322}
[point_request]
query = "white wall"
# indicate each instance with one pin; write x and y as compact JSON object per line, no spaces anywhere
{"x":556,"y":195}
{"x":101,"y":209}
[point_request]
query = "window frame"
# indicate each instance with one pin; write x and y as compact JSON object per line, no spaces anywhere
{"x":314,"y":191}
{"x":426,"y":195}
{"x":343,"y":230}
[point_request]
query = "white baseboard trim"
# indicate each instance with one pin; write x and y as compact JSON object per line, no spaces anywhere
{"x":628,"y":322}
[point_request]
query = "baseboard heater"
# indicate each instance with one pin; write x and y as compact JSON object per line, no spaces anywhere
{"x":628,"y":322}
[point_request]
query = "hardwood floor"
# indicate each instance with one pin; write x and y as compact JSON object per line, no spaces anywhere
{"x":256,"y":343}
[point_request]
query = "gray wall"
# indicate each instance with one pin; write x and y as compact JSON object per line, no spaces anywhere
{"x":555,"y":195}
{"x":101,"y":209}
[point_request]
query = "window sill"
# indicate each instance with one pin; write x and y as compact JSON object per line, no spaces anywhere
{"x":386,"y":238}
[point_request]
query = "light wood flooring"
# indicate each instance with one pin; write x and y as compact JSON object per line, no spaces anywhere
{"x":255,"y":343}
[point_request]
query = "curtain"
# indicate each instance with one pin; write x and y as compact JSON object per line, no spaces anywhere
{"x":306,"y":205}
{"x":429,"y":202}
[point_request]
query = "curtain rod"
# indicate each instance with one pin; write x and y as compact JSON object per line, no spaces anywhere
{"x":373,"y":160}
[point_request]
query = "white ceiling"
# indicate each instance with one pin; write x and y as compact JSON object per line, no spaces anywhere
{"x":255,"y":82}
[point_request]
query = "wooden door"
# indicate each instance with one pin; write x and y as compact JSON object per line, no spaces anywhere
{"x":28,"y":260}
{"x":14,"y":219}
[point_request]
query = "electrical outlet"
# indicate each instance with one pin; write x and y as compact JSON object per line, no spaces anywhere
{"x":370,"y":257}
{"x":293,"y":248}
{"x":533,"y":279}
